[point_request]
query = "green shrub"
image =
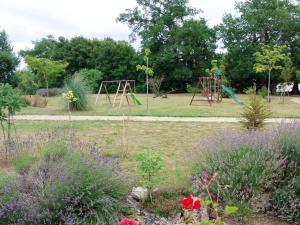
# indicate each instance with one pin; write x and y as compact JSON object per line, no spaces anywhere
{"x":255,"y":113}
{"x":23,"y":161}
{"x":286,"y":200}
{"x":92,"y":77}
{"x":263,"y":92}
{"x":140,"y":88}
{"x":191,"y":89}
{"x":80,"y":89}
{"x":26,"y":82}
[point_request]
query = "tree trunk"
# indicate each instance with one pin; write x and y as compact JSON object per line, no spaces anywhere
{"x":147,"y":85}
{"x":269,"y":83}
{"x":47,"y":86}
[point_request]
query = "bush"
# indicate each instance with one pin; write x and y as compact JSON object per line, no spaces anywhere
{"x":26,"y":83}
{"x":260,"y":167}
{"x":35,"y":101}
{"x":255,"y":113}
{"x":80,"y":186}
{"x":191,"y":89}
{"x":140,"y":88}
{"x":92,"y":77}
{"x":80,"y":90}
{"x":243,"y":161}
{"x":263,"y":92}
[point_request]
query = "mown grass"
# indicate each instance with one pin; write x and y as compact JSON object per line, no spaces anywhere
{"x":174,"y":105}
{"x":174,"y":140}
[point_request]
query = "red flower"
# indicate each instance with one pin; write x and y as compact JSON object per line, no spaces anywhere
{"x":126,"y":221}
{"x":190,"y":203}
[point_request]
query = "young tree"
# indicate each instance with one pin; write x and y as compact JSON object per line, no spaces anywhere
{"x":8,"y":60}
{"x":46,"y":69}
{"x":148,"y":71}
{"x":268,"y":59}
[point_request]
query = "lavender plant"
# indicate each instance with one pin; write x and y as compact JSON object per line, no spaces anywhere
{"x":75,"y":184}
{"x":251,"y":164}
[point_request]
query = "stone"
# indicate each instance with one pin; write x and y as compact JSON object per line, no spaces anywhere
{"x":139,"y":193}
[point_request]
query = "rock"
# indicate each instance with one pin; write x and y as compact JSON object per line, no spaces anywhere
{"x":139,"y":193}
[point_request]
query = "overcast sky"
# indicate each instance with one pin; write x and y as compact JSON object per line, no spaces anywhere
{"x":28,"y":20}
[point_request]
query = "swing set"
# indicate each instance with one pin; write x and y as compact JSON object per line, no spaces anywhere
{"x":124,"y":90}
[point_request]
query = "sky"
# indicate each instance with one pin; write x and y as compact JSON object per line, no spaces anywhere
{"x":28,"y":20}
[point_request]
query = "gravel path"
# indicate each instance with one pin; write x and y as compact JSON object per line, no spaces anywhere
{"x":142,"y":118}
{"x":296,"y":100}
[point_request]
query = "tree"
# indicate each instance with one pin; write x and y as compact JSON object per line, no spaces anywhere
{"x":268,"y":59}
{"x":272,"y":22}
{"x":255,"y":113}
{"x":45,"y":69}
{"x":148,"y":71}
{"x":180,"y":45}
{"x":8,"y":60}
{"x":10,"y":103}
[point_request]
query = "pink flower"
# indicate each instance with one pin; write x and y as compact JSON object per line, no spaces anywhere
{"x":190,"y":203}
{"x":126,"y":221}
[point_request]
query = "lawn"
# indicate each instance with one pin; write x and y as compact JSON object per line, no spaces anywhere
{"x":173,"y":140}
{"x":174,"y":105}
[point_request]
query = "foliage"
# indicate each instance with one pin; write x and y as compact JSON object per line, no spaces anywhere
{"x":23,"y":161}
{"x":79,"y":187}
{"x":150,"y":164}
{"x":254,"y":164}
{"x":155,"y":85}
{"x":191,"y":89}
{"x":165,"y":200}
{"x":263,"y":92}
{"x":80,"y":91}
{"x":92,"y":77}
{"x":8,"y":60}
{"x":26,"y":82}
{"x":46,"y":70}
{"x":271,"y":22}
{"x":212,"y":201}
{"x":255,"y":113}
{"x":181,"y":47}
{"x":298,"y":75}
{"x":10,"y":103}
{"x":246,"y":163}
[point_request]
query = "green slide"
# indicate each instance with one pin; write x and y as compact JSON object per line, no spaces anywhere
{"x":135,"y":99}
{"x":231,"y":94}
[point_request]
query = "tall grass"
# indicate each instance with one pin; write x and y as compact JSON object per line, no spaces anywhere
{"x":80,"y":89}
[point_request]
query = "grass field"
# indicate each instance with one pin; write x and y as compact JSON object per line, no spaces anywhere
{"x":174,"y":105}
{"x":173,"y":140}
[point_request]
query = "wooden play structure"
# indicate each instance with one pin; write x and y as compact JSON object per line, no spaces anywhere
{"x":124,"y":90}
{"x":209,"y":88}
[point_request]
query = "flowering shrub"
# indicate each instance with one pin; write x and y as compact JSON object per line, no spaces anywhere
{"x":126,"y":221}
{"x":69,"y":96}
{"x":252,"y":164}
{"x":80,"y":186}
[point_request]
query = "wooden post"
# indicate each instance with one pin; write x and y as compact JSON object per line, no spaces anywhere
{"x":98,"y":93}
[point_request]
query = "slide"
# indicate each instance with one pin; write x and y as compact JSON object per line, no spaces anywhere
{"x":135,"y":99}
{"x":231,"y":94}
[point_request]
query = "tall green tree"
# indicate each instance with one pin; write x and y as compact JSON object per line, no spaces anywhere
{"x":8,"y":60}
{"x":46,"y":70}
{"x":179,"y":45}
{"x":258,"y":22}
{"x":268,"y":59}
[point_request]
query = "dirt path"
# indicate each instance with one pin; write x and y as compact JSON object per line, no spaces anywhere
{"x":143,"y":119}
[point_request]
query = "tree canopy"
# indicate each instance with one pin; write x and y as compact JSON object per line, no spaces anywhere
{"x":8,"y":60}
